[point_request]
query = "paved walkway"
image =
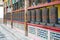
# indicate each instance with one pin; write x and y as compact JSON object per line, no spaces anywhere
{"x":6,"y":33}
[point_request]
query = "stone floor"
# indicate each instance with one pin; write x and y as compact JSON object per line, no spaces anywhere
{"x":7,"y":33}
{"x":2,"y":36}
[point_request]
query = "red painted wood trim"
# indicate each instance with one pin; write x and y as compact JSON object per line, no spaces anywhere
{"x":18,"y":10}
{"x":16,"y":21}
{"x":8,"y":20}
{"x":46,"y":4}
{"x":38,"y":6}
{"x":46,"y":27}
{"x":41,"y":26}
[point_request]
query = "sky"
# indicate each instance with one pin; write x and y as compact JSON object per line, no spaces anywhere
{"x":1,"y":12}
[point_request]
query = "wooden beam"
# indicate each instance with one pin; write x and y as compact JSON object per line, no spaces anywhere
{"x":44,"y":5}
{"x":26,"y":26}
{"x":5,"y":11}
{"x":11,"y":14}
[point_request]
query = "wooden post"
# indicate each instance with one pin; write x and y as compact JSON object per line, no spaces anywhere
{"x":5,"y":11}
{"x":11,"y":14}
{"x":26,"y":26}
